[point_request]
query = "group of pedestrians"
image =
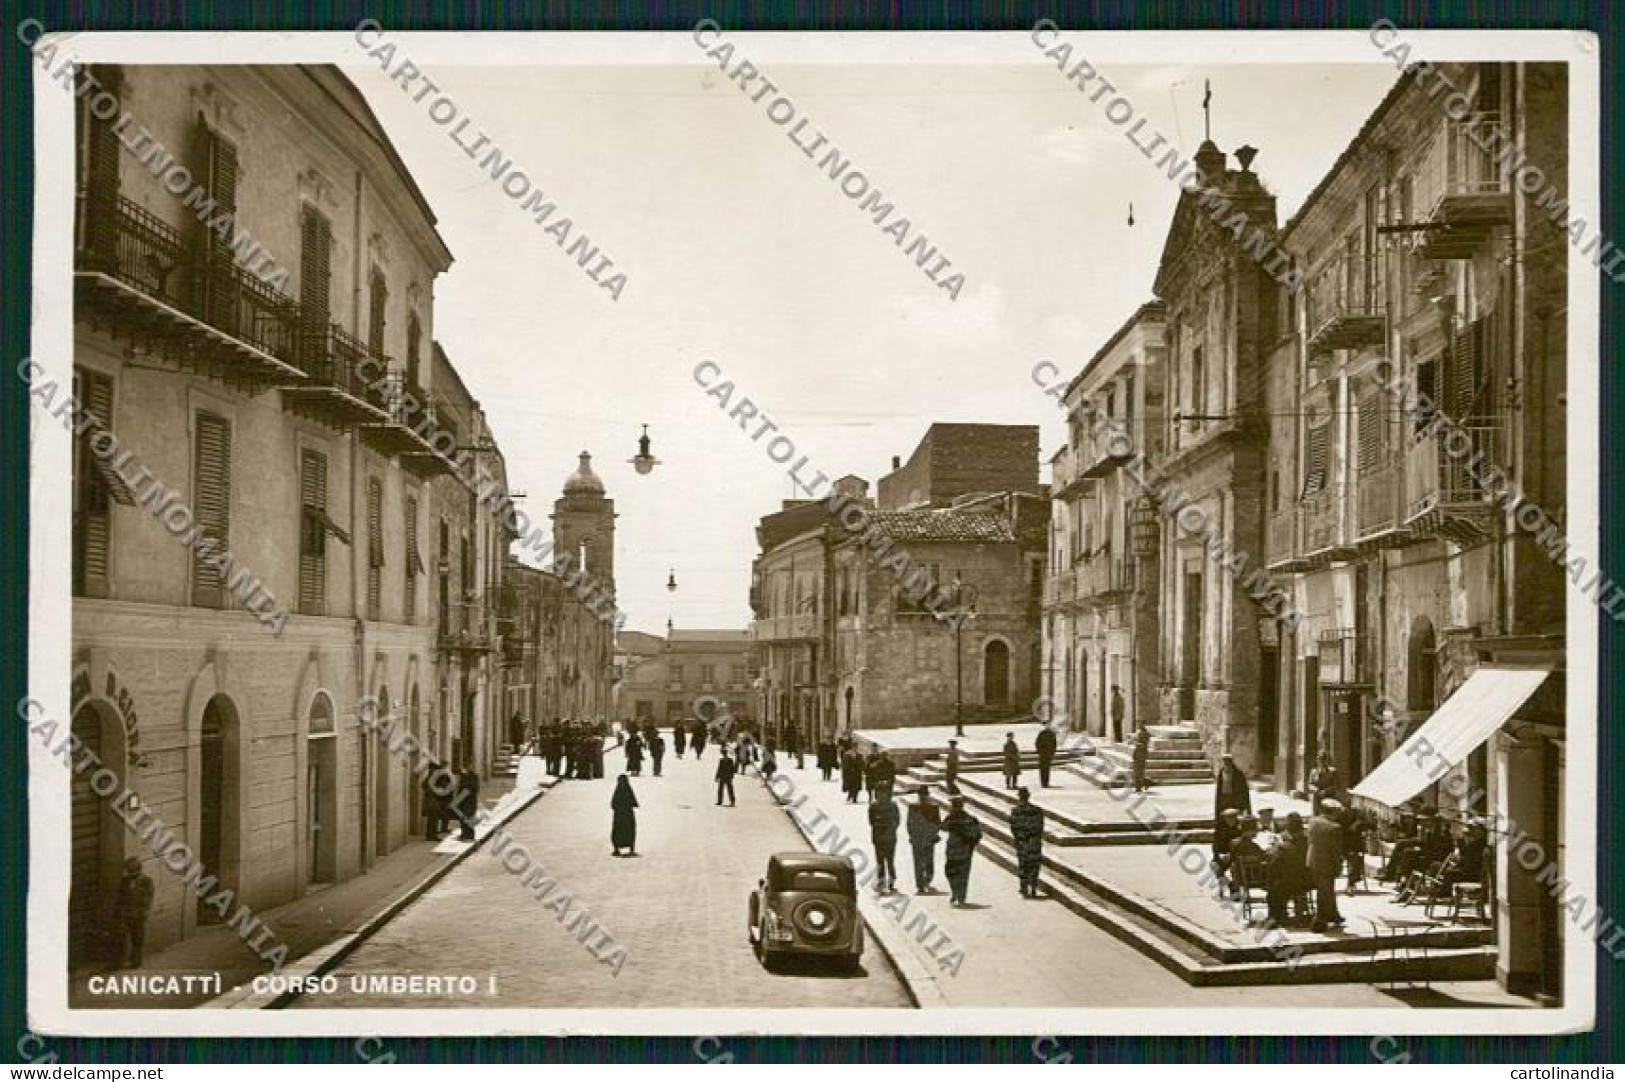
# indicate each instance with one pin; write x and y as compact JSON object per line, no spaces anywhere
{"x":450,"y":797}
{"x":865,"y":773}
{"x":571,"y":747}
{"x":926,"y":826}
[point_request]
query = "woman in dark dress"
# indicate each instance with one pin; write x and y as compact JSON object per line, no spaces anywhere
{"x":623,"y":831}
{"x":634,"y":754}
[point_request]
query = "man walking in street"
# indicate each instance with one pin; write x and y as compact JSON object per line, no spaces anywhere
{"x":871,"y":773}
{"x":1142,"y":758}
{"x":881,"y":772}
{"x":131,"y":907}
{"x":951,"y":781}
{"x":884,"y":818}
{"x":699,"y":739}
{"x":725,"y":778}
{"x":924,"y":828}
{"x":679,"y":737}
{"x":468,"y":799}
{"x":852,"y":775}
{"x":1045,"y":746}
{"x":792,"y":745}
{"x":657,"y":750}
{"x":1012,"y":762}
{"x":827,"y":758}
{"x":964,"y":833}
{"x":1027,"y":830}
{"x":433,"y":789}
{"x":1325,"y":861}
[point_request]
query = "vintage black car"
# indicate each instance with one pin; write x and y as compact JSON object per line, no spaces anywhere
{"x":807,"y":904}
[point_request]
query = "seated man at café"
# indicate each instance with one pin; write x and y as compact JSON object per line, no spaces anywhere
{"x":1245,"y":849}
{"x":1427,"y":847}
{"x":1288,"y":876}
{"x":1226,"y":829}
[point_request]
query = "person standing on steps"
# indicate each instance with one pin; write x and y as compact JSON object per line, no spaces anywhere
{"x":884,"y":818}
{"x":1045,"y":746}
{"x":1230,"y":789}
{"x":725,"y":778}
{"x":951,"y":774}
{"x":1142,"y":758}
{"x":1119,"y":708}
{"x":924,"y":830}
{"x":1012,"y":762}
{"x":1027,"y":830}
{"x":963,"y":833}
{"x":623,"y":831}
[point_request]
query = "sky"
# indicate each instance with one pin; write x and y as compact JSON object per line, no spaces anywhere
{"x":736,"y":249}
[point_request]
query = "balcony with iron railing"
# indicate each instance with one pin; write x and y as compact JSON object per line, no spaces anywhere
{"x":1345,"y":657}
{"x":467,"y":628}
{"x":1346,"y":305}
{"x":1281,"y":541}
{"x":397,"y":435}
{"x":1104,"y":578}
{"x":185,"y":298}
{"x":1442,"y":491}
{"x":1324,"y":525}
{"x":1106,"y":447}
{"x":799,"y":626}
{"x":1462,"y":190}
{"x":1059,"y":588}
{"x":1378,"y":496}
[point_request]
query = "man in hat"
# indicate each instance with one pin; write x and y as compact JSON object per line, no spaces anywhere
{"x":1226,"y":829}
{"x":131,"y":907}
{"x":1427,"y":846}
{"x":1288,"y":878}
{"x":1230,"y":790}
{"x":1325,"y":861}
{"x":1045,"y":746}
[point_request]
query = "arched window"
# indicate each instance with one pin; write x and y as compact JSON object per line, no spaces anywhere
{"x":1422,"y":667}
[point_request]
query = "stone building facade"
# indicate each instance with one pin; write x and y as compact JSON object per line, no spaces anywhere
{"x":1428,"y":272}
{"x":241,"y":388}
{"x":697,"y":673}
{"x":845,"y":640}
{"x":1221,"y":310}
{"x":1100,"y":601}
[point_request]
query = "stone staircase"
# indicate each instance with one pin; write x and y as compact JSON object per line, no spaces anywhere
{"x":1185,"y":948}
{"x":507,"y":762}
{"x":1175,"y":758}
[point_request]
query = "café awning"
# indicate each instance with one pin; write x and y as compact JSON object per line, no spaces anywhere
{"x":1478,"y":708}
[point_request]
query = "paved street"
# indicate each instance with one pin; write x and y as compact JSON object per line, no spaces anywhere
{"x":678,"y":909}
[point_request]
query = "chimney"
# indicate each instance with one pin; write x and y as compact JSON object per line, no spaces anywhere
{"x":896,"y":462}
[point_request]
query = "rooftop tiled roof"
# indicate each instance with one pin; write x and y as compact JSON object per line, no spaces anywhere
{"x":941,"y":525}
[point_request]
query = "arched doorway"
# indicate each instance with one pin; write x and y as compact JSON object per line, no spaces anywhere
{"x":382,"y":773}
{"x":97,"y":837}
{"x":321,"y":794}
{"x":218,"y":802}
{"x":1421,"y":667}
{"x":996,"y":674}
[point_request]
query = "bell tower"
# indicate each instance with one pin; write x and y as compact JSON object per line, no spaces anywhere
{"x":584,"y":524}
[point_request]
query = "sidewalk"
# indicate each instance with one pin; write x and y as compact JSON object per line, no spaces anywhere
{"x":305,"y":924}
{"x":1020,"y":952}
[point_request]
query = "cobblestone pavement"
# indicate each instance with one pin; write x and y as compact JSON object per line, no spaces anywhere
{"x":678,"y":909}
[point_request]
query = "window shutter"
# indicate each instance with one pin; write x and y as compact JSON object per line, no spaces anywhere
{"x":92,"y":513}
{"x":1316,"y":455}
{"x":375,"y":547}
{"x":1373,"y":435}
{"x":313,"y":550}
{"x":1427,"y":392}
{"x":377,"y":307}
{"x":101,"y":192}
{"x":211,"y":506}
{"x":218,"y":169}
{"x":414,"y":563}
{"x":315,"y":268}
{"x":1462,"y":383}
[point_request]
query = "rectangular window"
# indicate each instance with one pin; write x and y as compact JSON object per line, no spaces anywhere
{"x":211,"y":507}
{"x":92,"y":510}
{"x":708,"y":674}
{"x":739,"y":674}
{"x":375,"y":548}
{"x":414,"y":562}
{"x":1427,"y":394}
{"x":315,"y":527}
{"x":676,"y":672}
{"x":98,"y":235}
{"x":1198,"y":383}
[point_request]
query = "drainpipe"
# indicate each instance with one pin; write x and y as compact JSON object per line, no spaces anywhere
{"x":368,"y":825}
